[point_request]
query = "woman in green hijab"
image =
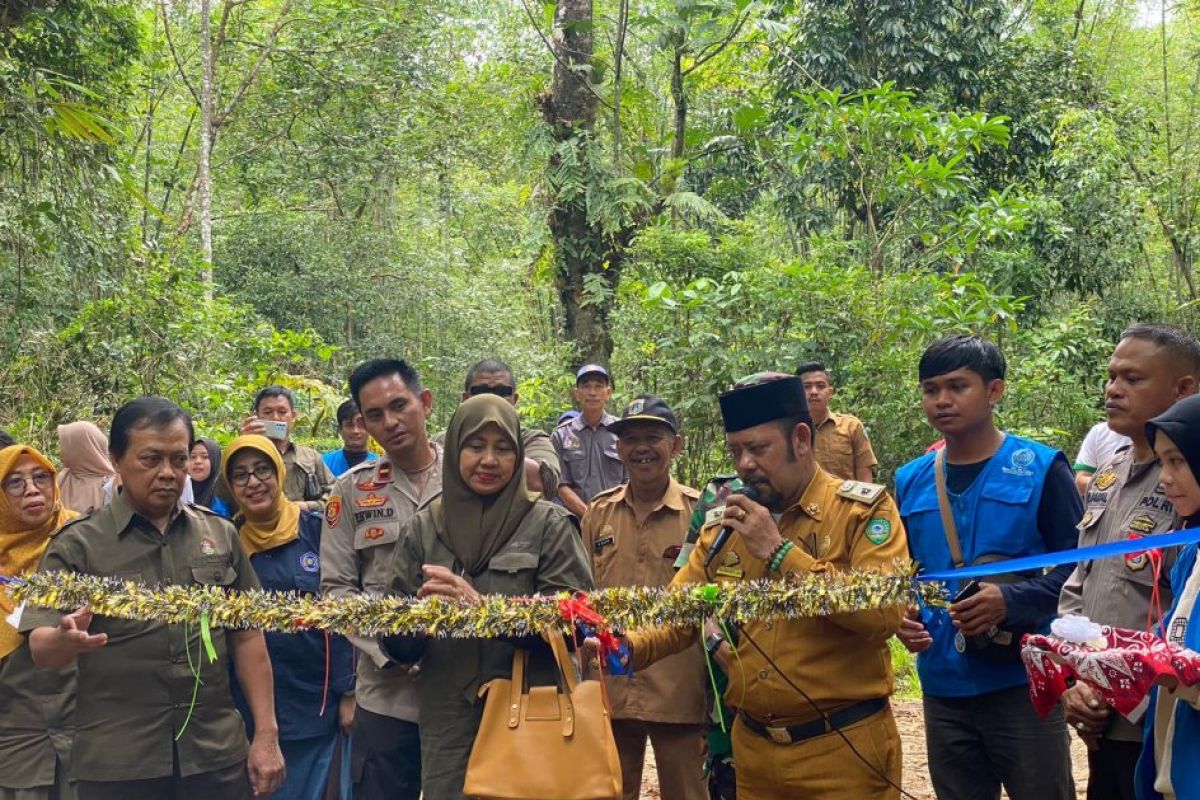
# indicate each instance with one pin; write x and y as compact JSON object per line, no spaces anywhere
{"x":486,"y":534}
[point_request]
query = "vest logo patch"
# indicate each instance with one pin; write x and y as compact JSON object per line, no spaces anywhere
{"x":1105,"y":480}
{"x":310,"y":562}
{"x":1020,"y":462}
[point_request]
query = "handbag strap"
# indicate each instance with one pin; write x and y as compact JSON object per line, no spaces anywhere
{"x":939,"y":471}
{"x":516,"y":687}
{"x":566,"y":669}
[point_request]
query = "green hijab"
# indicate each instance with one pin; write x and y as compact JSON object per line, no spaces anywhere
{"x":474,"y":527}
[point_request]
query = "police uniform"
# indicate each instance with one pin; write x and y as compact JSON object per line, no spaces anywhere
{"x":588,"y":456}
{"x":363,"y":518}
{"x":1124,"y":501}
{"x":842,"y":663}
{"x":138,"y":692}
{"x":841,"y":446}
{"x":665,"y":702}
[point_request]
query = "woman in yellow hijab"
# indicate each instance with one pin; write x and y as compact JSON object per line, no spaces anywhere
{"x":312,"y":670}
{"x":37,"y":707}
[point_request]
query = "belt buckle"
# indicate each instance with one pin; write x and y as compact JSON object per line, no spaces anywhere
{"x":779,"y":735}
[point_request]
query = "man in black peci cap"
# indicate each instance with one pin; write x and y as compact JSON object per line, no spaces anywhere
{"x":586,"y":447}
{"x":805,"y":689}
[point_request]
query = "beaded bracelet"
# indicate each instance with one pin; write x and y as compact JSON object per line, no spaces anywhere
{"x":779,"y":554}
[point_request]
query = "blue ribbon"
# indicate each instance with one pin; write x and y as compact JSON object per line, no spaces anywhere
{"x":1059,"y":557}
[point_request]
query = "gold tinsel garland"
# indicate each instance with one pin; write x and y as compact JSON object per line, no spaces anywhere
{"x":813,"y":595}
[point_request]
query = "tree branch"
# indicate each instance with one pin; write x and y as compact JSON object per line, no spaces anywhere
{"x":162,"y":4}
{"x":258,"y":65}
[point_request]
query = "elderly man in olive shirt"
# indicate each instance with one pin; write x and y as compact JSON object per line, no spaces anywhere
{"x":148,"y":726}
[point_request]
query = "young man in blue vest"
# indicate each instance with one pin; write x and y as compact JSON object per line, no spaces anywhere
{"x":1007,"y":497}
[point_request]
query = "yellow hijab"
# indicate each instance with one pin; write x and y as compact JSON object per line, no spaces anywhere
{"x":280,"y":523}
{"x":21,"y":548}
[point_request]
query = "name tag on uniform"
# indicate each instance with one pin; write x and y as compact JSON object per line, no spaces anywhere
{"x":730,"y":572}
{"x":600,"y":544}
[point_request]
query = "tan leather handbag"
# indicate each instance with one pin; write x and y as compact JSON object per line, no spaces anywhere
{"x":544,"y":742}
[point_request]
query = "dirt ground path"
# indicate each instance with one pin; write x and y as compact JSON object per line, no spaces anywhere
{"x":911,"y":724}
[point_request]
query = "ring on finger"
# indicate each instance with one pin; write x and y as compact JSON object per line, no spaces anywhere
{"x":1079,"y":726}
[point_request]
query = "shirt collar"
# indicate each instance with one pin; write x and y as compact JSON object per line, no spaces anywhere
{"x":578,"y":424}
{"x":672,"y":498}
{"x":809,"y":503}
{"x":123,"y":514}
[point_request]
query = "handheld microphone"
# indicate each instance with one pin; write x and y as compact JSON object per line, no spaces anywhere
{"x":722,"y":537}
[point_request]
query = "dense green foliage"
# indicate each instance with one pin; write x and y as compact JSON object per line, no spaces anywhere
{"x":763,"y":182}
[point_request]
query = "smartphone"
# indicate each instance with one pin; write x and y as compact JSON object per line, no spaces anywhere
{"x":274,"y":429}
{"x":969,"y":590}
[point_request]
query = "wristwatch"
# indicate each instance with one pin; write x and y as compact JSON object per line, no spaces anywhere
{"x":711,"y":643}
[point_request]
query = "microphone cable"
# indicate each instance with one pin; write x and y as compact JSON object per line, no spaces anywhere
{"x":824,"y":716}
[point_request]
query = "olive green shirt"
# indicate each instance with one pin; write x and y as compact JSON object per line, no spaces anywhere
{"x":544,"y":556}
{"x":37,"y":720}
{"x":135,"y":692}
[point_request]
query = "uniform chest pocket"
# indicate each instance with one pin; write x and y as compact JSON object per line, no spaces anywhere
{"x":372,"y":535}
{"x":217,"y":572}
{"x":610,"y":452}
{"x":510,"y":573}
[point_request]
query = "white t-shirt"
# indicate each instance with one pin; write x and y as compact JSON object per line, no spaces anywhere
{"x":1100,"y":444}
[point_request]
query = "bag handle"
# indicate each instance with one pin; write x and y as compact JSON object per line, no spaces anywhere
{"x":939,"y":471}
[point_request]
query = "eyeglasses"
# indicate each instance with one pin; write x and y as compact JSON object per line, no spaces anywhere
{"x":499,"y":391}
{"x":262,"y":472}
{"x":16,"y":485}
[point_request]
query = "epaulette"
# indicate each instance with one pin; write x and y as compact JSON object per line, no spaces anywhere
{"x":71,"y":522}
{"x":689,"y":492}
{"x":606,"y":493}
{"x":861,"y":491}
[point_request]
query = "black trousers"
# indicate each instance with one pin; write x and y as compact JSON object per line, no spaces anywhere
{"x":1111,"y":769}
{"x":231,"y":782}
{"x":978,"y":744}
{"x":385,"y":756}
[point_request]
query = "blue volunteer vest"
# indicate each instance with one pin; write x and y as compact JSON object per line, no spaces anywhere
{"x":996,"y":516}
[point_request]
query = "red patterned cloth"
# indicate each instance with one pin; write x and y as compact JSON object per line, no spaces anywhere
{"x":1123,"y":672}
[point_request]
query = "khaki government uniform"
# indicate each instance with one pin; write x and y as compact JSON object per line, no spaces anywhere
{"x":841,"y":446}
{"x":368,"y":507}
{"x":667,"y":701}
{"x":1124,"y":501}
{"x":588,"y":456}
{"x":37,"y":723}
{"x":543,"y":556}
{"x":838,"y":660}
{"x":135,"y":693}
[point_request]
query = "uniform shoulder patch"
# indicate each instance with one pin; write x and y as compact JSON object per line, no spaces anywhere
{"x":689,"y":492}
{"x":861,"y":491}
